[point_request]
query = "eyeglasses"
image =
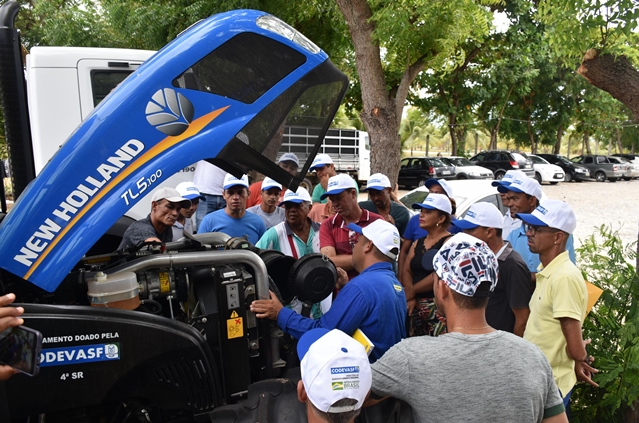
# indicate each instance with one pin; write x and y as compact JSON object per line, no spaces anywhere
{"x":534,"y":229}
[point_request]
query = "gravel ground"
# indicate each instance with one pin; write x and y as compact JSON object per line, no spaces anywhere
{"x":596,"y":203}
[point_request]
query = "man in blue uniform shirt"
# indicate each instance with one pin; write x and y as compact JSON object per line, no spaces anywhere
{"x":373,"y":301}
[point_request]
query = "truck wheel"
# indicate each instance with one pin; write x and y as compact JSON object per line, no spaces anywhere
{"x":462,"y":176}
{"x":600,"y":177}
{"x":612,"y":179}
{"x":499,"y":175}
{"x":308,"y":185}
{"x":421,"y":182}
{"x":538,"y":177}
{"x":568,"y":177}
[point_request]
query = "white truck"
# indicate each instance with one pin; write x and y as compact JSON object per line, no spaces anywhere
{"x":349,"y":149}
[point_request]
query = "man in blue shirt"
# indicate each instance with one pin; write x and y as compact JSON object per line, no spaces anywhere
{"x":373,"y":301}
{"x":523,"y":195}
{"x":233,"y":219}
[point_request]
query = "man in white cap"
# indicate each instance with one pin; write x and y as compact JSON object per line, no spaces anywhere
{"x":184,"y":223}
{"x":233,"y":220}
{"x":508,"y":306}
{"x":336,"y":376}
{"x":474,"y":371}
{"x":156,"y":227}
{"x":524,"y":194}
{"x":268,"y":210}
{"x":290,"y":163}
{"x":510,"y":222}
{"x":324,"y":169}
{"x":558,"y":305}
{"x":379,"y":191}
{"x":297,"y":236}
{"x":373,"y":302}
{"x":336,"y":239}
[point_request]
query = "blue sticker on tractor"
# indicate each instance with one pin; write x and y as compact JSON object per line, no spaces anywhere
{"x":80,"y":354}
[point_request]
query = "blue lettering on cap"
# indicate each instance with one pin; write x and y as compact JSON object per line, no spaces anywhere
{"x":341,"y":370}
{"x":518,"y":182}
{"x":80,"y":354}
{"x":542,"y":210}
{"x":333,"y":184}
{"x":471,"y":213}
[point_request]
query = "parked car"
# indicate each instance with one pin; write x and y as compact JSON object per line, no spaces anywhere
{"x":631,"y":170}
{"x":466,"y":192}
{"x":572,"y":171}
{"x":546,"y":172}
{"x":600,"y":167}
{"x":414,"y":171}
{"x":501,"y":161}
{"x":464,"y":169}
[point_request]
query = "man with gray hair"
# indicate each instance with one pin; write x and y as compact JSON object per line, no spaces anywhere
{"x":474,"y":371}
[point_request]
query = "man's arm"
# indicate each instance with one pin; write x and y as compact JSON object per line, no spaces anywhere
{"x":404,"y":249}
{"x":576,"y":349}
{"x":521,"y":318}
{"x":345,"y":261}
{"x":559,"y":418}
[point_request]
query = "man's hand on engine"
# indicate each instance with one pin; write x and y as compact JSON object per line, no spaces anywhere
{"x":267,"y":309}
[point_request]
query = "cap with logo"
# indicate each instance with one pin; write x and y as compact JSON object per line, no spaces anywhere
{"x":523,"y":184}
{"x":467,"y":265}
{"x":297,"y":197}
{"x":269,"y":183}
{"x":231,"y":181}
{"x":337,"y":184}
{"x":482,"y":214}
{"x":189,"y":190}
{"x":289,"y":157}
{"x":384,"y":235}
{"x":334,"y":366}
{"x":508,"y":177}
{"x":321,"y":160}
{"x":172,"y":195}
{"x":552,"y":213}
{"x":442,"y":183}
{"x":378,"y":181}
{"x":435,"y":202}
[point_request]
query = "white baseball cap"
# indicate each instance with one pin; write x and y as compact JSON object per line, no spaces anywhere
{"x":269,"y":183}
{"x":298,"y":196}
{"x":442,"y":183}
{"x":172,"y":195}
{"x":338,"y":183}
{"x":482,"y":214}
{"x":464,"y":262}
{"x":289,"y":157}
{"x":378,"y":181}
{"x":435,"y":202}
{"x":189,"y":190}
{"x":384,"y":235}
{"x":523,"y":184}
{"x":552,"y":213}
{"x":321,"y":160}
{"x":230,"y":181}
{"x":334,"y":366}
{"x":508,"y":177}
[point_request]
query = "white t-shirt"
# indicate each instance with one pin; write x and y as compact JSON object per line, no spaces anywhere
{"x":209,"y":179}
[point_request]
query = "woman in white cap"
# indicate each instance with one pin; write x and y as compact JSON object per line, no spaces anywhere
{"x":417,"y":278}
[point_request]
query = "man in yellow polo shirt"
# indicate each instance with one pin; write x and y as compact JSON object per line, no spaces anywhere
{"x":558,"y":305}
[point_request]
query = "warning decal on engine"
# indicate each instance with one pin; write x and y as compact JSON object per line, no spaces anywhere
{"x":234,"y":326}
{"x":79,"y":355}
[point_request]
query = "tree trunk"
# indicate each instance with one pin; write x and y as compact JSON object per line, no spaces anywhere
{"x":533,"y":144}
{"x":613,"y":74}
{"x":493,"y":139}
{"x":560,"y":134}
{"x":587,"y":144}
{"x":619,"y":146}
{"x":381,"y":113}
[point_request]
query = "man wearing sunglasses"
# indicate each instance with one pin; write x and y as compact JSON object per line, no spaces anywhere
{"x":184,"y":223}
{"x":558,"y":304}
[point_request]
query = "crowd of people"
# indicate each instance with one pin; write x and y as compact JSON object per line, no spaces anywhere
{"x":487,"y":309}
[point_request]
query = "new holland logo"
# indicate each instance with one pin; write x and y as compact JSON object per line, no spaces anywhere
{"x":169,"y":112}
